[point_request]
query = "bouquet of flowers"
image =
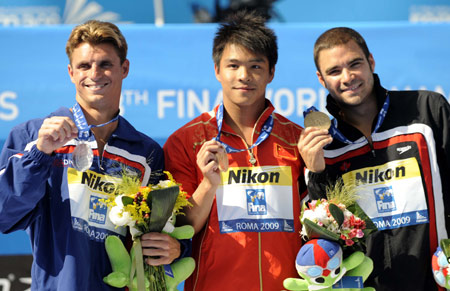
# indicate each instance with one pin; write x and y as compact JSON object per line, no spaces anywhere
{"x":335,"y":229}
{"x":146,"y":209}
{"x":338,"y":218}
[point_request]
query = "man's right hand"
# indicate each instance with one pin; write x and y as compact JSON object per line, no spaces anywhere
{"x":55,"y":132}
{"x":208,"y":163}
{"x":203,"y":197}
{"x":311,"y":143}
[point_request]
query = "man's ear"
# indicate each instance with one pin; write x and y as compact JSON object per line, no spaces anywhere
{"x":217,"y":71}
{"x":320,"y":77}
{"x":371,"y":62}
{"x":272,"y":74}
{"x":125,"y":68}
{"x":69,"y":69}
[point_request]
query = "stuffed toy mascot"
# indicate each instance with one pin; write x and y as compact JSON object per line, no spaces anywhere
{"x":321,"y":265}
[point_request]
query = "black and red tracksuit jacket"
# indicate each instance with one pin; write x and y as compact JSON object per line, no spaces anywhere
{"x":403,"y":183}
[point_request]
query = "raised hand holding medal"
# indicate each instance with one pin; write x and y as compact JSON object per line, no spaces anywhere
{"x":313,"y":139}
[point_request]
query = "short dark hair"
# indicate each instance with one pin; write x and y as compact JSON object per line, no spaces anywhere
{"x":97,"y":32}
{"x":247,"y":29}
{"x":338,"y":36}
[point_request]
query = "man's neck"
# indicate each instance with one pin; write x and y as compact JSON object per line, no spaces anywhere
{"x":243,"y":119}
{"x":95,"y":116}
{"x":361,"y":117}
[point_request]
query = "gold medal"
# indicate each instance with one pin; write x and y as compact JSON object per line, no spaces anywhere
{"x":222,"y":159}
{"x":317,"y":119}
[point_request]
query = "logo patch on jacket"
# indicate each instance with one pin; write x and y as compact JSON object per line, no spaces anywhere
{"x":97,"y":210}
{"x":392,"y":194}
{"x":384,"y":197}
{"x":256,"y":202}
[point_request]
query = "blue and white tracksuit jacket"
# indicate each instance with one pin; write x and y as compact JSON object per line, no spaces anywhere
{"x":59,"y":206}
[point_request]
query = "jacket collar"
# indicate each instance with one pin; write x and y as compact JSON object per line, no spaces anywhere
{"x":259,"y":123}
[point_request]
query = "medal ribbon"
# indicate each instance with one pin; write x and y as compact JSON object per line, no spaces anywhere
{"x":263,"y":135}
{"x":84,"y":130}
{"x":337,"y":134}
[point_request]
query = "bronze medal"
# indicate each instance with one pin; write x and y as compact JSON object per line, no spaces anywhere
{"x":317,"y":119}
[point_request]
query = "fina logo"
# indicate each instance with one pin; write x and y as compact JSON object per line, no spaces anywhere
{"x":97,"y":210}
{"x":384,"y":197}
{"x":79,"y":11}
{"x":256,"y":202}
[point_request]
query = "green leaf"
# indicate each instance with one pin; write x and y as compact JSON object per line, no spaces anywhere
{"x":445,"y":246}
{"x":315,"y":231}
{"x":126,"y":200}
{"x":337,"y":213}
{"x":163,"y":201}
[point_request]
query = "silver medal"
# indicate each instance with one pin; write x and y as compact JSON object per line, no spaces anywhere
{"x":82,"y":157}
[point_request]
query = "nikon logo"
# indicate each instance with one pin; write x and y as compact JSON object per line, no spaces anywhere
{"x":248,"y":177}
{"x":95,"y":183}
{"x":379,"y":176}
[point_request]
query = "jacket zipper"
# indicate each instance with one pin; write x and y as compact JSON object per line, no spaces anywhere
{"x":200,"y":256}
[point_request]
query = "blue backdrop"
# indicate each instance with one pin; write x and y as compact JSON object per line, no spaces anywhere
{"x":172,"y":79}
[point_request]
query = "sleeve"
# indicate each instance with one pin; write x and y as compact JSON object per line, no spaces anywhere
{"x":316,"y":184}
{"x":181,"y":164}
{"x":23,"y":181}
{"x":440,"y":110}
{"x":185,"y":248}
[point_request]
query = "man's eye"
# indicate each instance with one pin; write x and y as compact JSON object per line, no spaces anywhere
{"x":334,"y":72}
{"x":354,"y":65}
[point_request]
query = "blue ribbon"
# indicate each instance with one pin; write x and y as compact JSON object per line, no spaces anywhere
{"x":264,"y":134}
{"x":84,"y":130}
{"x":337,"y":134}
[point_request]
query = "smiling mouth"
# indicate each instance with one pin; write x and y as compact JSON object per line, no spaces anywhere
{"x":352,"y":88}
{"x":96,"y":87}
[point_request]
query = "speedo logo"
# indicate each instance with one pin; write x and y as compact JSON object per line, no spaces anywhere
{"x":379,"y":175}
{"x":404,"y":149}
{"x":248,"y":176}
{"x":97,"y":183}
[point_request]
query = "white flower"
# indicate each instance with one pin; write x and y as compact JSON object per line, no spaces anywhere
{"x":164,"y":184}
{"x":118,"y":215}
{"x":321,"y":214}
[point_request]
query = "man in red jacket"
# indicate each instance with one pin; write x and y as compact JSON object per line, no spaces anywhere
{"x":246,"y":216}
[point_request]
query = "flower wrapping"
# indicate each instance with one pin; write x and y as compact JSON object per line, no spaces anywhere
{"x":338,"y":218}
{"x":146,"y":209}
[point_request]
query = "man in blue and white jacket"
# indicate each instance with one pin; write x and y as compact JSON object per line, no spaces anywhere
{"x":43,"y":193}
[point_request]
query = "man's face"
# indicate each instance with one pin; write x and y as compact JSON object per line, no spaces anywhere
{"x":347,"y":74}
{"x":243,"y":75}
{"x":97,"y":74}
